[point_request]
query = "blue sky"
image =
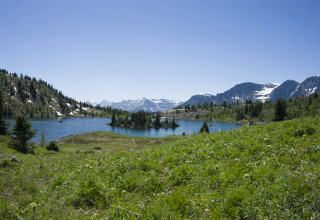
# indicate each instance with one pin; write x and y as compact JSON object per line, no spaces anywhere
{"x":128,"y":49}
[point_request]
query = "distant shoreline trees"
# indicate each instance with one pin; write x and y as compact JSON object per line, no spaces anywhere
{"x":142,"y":119}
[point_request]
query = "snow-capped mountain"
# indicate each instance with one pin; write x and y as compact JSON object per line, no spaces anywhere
{"x":307,"y":87}
{"x":149,"y":105}
{"x":262,"y":92}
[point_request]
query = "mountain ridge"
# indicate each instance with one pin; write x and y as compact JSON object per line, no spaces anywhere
{"x":259,"y":92}
{"x":145,"y":104}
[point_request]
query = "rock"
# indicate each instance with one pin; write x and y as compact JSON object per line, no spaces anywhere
{"x":14,"y":159}
{"x":101,"y":135}
{"x":97,"y":148}
{"x":62,"y":143}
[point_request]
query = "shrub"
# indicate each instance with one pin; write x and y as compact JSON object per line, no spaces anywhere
{"x":5,"y":163}
{"x":53,"y":146}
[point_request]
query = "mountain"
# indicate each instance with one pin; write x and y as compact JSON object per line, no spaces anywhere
{"x":307,"y":87}
{"x":200,"y":98}
{"x":244,"y":91}
{"x":240,"y":92}
{"x":149,"y":105}
{"x":38,"y":99}
{"x":283,"y":91}
{"x":261,"y":92}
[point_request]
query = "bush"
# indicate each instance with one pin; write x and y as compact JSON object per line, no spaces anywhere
{"x":53,"y":146}
{"x":5,"y":163}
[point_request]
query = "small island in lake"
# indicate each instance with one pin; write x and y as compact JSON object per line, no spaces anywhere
{"x":142,"y":119}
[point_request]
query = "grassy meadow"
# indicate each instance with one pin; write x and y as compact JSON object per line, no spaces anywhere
{"x":268,"y":171}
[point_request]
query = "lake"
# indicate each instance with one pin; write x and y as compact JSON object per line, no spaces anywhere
{"x":54,"y":130}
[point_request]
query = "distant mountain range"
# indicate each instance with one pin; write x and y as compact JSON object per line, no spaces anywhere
{"x":149,"y":105}
{"x":262,"y":92}
{"x":240,"y":92}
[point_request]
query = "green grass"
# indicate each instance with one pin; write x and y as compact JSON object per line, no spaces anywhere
{"x":268,"y":171}
{"x":111,"y":142}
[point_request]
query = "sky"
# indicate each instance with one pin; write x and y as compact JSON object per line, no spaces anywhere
{"x":128,"y":49}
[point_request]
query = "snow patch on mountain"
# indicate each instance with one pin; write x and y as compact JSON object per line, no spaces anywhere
{"x":310,"y":91}
{"x":264,"y":94}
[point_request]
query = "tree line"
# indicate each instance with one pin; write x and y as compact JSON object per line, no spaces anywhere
{"x":141,"y":119}
{"x":258,"y":111}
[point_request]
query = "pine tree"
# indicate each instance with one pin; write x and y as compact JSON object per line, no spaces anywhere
{"x":23,"y":133}
{"x":43,"y":140}
{"x":205,"y":128}
{"x":157,"y":123}
{"x":280,"y":110}
{"x":3,"y":124}
{"x":224,"y":104}
{"x":113,"y":119}
{"x":174,"y":124}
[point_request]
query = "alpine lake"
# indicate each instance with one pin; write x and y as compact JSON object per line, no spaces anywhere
{"x":54,"y":129}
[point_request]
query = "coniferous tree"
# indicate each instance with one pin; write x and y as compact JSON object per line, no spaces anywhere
{"x":113,"y":119}
{"x":224,"y":104}
{"x":3,"y":124}
{"x":23,"y":133}
{"x":157,"y":123}
{"x":246,"y":109}
{"x":205,"y":128}
{"x":239,"y":114}
{"x":174,"y":124}
{"x":43,"y":140}
{"x":280,"y":110}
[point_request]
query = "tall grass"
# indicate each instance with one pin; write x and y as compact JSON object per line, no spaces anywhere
{"x":269,"y":171}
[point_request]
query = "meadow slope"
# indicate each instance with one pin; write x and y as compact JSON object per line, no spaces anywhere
{"x":267,"y":171}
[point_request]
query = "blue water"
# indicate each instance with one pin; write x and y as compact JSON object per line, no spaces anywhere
{"x":54,"y":130}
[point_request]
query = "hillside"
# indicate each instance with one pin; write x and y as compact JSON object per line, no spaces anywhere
{"x":268,"y":172}
{"x":38,"y":99}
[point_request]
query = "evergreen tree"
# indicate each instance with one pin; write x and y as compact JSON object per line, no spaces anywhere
{"x":246,"y":109}
{"x":174,"y":124}
{"x":43,"y":140}
{"x":280,"y":110}
{"x":239,"y":115}
{"x":113,"y":119}
{"x":3,"y":124}
{"x":23,"y":133}
{"x":205,"y":128}
{"x":224,"y":104}
{"x":157,"y":123}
